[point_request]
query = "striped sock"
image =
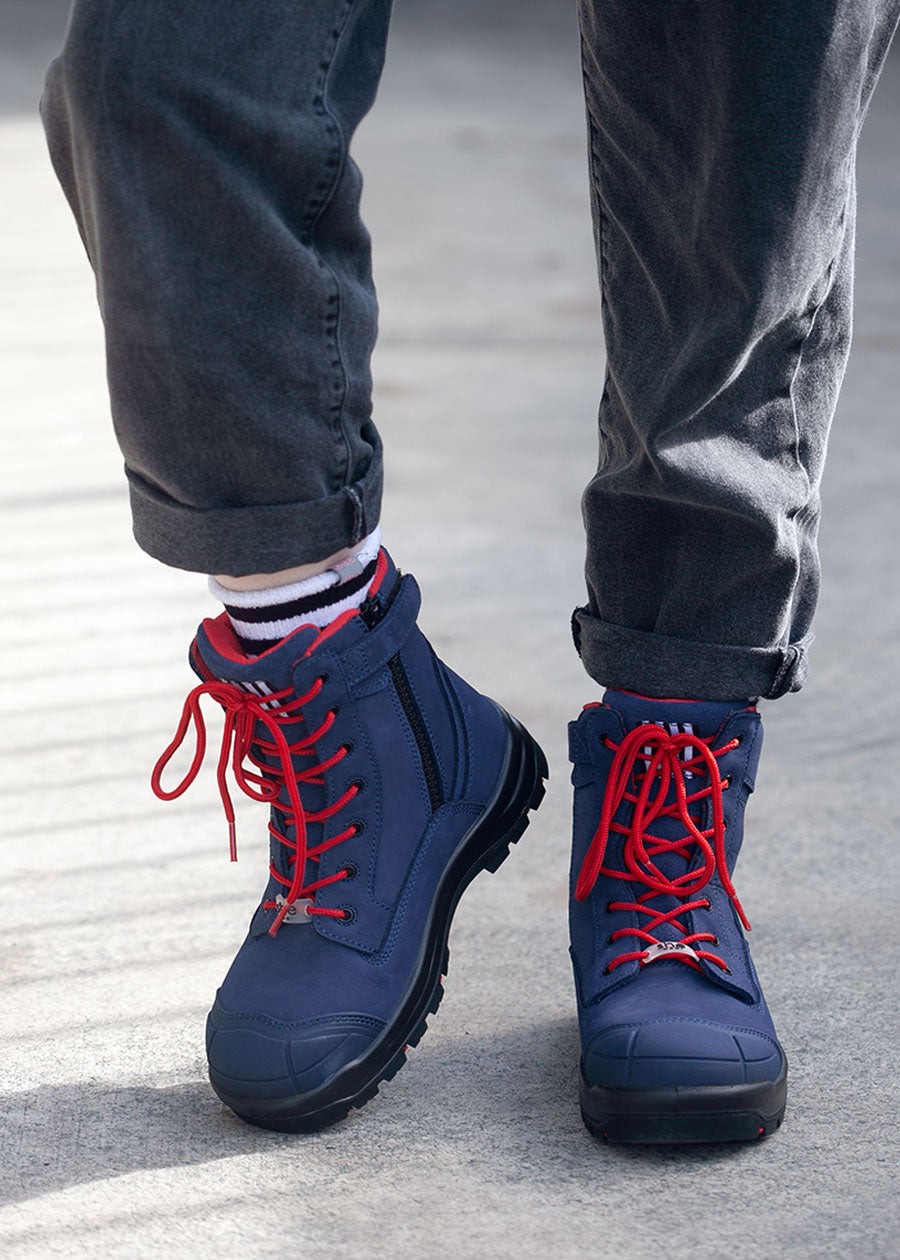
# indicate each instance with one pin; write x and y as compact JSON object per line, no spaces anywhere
{"x":261,"y":619}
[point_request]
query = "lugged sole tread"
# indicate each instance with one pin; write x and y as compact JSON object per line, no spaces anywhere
{"x":682,"y":1131}
{"x":685,"y":1115}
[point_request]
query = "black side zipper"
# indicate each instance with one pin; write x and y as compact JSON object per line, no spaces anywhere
{"x":372,"y":610}
{"x":423,"y":743}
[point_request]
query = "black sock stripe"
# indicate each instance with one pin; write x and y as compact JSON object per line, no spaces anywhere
{"x":256,"y":647}
{"x":311,"y":603}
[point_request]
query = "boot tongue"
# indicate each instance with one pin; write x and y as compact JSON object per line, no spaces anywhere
{"x":701,"y":717}
{"x":216,"y":654}
{"x":690,"y":717}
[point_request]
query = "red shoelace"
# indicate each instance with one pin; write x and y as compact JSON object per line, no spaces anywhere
{"x":275,"y":712}
{"x":668,"y":759}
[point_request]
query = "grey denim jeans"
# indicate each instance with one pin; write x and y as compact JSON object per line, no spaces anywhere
{"x":203,"y":146}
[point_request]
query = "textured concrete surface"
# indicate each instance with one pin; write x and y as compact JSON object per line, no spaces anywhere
{"x":121,"y":914}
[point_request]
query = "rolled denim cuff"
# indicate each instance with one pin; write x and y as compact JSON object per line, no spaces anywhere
{"x":264,"y":538}
{"x":660,"y":666}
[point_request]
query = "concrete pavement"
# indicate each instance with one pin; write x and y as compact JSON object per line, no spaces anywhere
{"x":121,"y":914}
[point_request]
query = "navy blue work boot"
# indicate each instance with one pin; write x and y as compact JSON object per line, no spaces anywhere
{"x":392,"y":783}
{"x":677,"y":1042}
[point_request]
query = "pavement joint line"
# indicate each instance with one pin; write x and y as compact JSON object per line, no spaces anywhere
{"x":129,"y":861}
{"x":128,"y":566}
{"x":69,"y":1030}
{"x":129,"y":600}
{"x":88,"y":669}
{"x":126,"y":702}
{"x":118,"y":737}
{"x":11,"y":503}
{"x":102,"y":634}
{"x":220,"y":955}
{"x":154,"y":909}
{"x":90,"y":780}
{"x":176,"y":811}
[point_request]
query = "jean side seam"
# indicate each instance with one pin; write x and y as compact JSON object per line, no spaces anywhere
{"x":601,"y":225}
{"x":799,"y":515}
{"x":359,"y":518}
{"x":789,"y":662}
{"x":335,"y":163}
{"x":811,"y":314}
{"x":334,"y":315}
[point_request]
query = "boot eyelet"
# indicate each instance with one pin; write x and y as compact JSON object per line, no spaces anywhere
{"x":609,"y":907}
{"x":606,"y":971}
{"x":714,"y":941}
{"x":609,"y":939}
{"x":350,"y":871}
{"x":358,"y":828}
{"x":348,"y":914}
{"x":359,"y":784}
{"x":728,"y":971}
{"x":348,"y":748}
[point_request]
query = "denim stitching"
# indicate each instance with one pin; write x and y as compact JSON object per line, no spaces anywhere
{"x":335,"y":163}
{"x":359,"y":527}
{"x":790,"y":657}
{"x":457,"y":810}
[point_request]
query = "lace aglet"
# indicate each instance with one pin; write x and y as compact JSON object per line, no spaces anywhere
{"x":232,"y":840}
{"x":279,"y":918}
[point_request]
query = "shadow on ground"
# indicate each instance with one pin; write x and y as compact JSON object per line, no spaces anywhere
{"x":65,"y":1135}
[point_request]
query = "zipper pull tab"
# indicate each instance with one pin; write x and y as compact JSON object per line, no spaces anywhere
{"x":371,"y":610}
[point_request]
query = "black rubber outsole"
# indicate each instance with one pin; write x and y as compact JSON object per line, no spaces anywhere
{"x":685,"y":1114}
{"x":486,"y":847}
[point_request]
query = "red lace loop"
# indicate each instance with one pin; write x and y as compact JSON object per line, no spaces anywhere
{"x":243,"y":711}
{"x":240,"y":738}
{"x":668,"y":759}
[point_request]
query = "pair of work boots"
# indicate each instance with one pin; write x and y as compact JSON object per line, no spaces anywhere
{"x":392,"y":783}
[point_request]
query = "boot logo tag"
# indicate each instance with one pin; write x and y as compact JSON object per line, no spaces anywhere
{"x":296,"y":912}
{"x":662,"y":948}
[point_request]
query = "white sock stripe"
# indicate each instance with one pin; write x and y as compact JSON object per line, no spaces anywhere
{"x":321,"y":617}
{"x":274,"y":594}
{"x":365,"y":553}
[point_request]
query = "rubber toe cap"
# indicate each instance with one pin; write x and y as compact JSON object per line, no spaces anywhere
{"x":262,"y":1059}
{"x":676,"y":1052}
